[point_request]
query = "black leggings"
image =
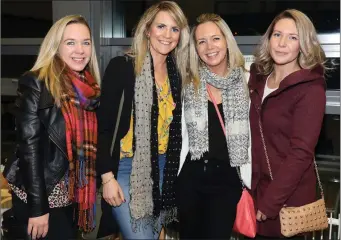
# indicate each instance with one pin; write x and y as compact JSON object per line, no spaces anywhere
{"x":207,"y":196}
{"x":61,"y":223}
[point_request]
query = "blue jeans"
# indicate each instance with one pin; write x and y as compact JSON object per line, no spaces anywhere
{"x":122,"y":213}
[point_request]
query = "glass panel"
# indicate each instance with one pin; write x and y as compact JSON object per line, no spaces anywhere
{"x":328,"y":161}
{"x":7,"y":127}
{"x":324,"y":14}
{"x":13,"y":66}
{"x":245,"y":17}
{"x":333,"y":75}
{"x":131,"y":11}
{"x":328,"y":146}
{"x":25,"y":19}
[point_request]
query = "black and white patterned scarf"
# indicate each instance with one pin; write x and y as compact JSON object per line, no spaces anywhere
{"x":147,"y":205}
{"x":236,"y":114}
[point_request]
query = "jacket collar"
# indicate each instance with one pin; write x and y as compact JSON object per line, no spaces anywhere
{"x":46,"y":100}
{"x":257,"y":81}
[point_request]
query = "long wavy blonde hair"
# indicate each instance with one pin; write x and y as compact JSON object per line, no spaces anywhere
{"x":311,"y":52}
{"x":50,"y":68}
{"x":234,"y":56}
{"x":139,"y":46}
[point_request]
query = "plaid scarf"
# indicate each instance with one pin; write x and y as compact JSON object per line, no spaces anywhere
{"x":78,"y":108}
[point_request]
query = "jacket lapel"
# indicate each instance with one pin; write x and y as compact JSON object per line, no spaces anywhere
{"x":52,"y":118}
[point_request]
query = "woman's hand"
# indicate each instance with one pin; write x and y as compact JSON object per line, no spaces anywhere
{"x":38,"y":226}
{"x":112,"y":192}
{"x":260,"y":216}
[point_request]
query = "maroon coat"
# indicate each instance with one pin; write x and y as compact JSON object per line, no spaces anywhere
{"x":291,"y":118}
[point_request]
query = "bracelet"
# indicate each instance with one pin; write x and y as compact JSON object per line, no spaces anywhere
{"x":108,"y":180}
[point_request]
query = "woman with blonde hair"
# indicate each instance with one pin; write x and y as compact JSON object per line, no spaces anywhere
{"x":139,"y":161}
{"x":54,"y":176}
{"x":215,"y":132}
{"x":287,"y":91}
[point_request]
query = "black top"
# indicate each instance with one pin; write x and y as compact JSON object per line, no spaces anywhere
{"x":217,"y":140}
{"x":217,"y":152}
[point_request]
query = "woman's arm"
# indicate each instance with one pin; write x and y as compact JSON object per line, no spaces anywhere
{"x":307,"y":121}
{"x":112,"y":89}
{"x":28,"y":134}
{"x":111,"y":93}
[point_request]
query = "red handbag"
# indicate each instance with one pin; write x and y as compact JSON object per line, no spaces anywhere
{"x":245,"y":222}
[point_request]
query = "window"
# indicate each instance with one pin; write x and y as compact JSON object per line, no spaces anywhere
{"x":253,"y":17}
{"x":13,"y":66}
{"x":333,"y":76}
{"x":25,"y":19}
{"x":328,"y":147}
{"x":7,"y":127}
{"x":244,"y":17}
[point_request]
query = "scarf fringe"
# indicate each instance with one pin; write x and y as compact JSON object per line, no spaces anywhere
{"x":166,"y":217}
{"x":137,"y":224}
{"x":86,"y":199}
{"x":86,"y":219}
{"x":170,"y":216}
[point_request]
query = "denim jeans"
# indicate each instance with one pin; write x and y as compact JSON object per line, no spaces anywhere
{"x":122,"y":213}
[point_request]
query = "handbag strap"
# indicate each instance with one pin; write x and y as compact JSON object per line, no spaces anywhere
{"x":268,"y":161}
{"x":222,"y":125}
{"x":216,"y":109}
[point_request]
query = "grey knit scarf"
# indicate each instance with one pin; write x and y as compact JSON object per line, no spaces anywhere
{"x":236,"y":114}
{"x":148,"y":205}
{"x":141,"y":184}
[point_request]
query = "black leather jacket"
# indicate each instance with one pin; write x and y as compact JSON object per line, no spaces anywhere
{"x":42,"y":156}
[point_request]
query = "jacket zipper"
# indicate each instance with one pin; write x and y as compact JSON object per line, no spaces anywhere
{"x":51,"y":138}
{"x":59,"y":177}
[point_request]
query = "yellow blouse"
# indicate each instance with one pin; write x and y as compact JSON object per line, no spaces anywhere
{"x":166,"y":107}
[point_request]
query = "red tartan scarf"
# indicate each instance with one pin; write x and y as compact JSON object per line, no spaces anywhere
{"x":78,"y":108}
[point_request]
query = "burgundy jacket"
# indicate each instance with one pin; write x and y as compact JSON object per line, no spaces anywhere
{"x":291,"y":118}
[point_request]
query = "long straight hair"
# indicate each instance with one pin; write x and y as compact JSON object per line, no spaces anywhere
{"x":50,"y":68}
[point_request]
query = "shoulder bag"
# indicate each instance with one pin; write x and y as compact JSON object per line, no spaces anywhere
{"x":306,"y":218}
{"x":245,"y":222}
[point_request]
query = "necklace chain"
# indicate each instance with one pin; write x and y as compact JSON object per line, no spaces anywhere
{"x":159,"y":90}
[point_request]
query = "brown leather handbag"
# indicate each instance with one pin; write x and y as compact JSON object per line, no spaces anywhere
{"x":306,"y":218}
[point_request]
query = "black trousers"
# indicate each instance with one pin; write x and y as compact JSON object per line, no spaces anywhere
{"x":207,"y":196}
{"x":62,"y":225}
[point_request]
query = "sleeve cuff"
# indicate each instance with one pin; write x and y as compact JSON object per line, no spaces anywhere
{"x":268,"y":209}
